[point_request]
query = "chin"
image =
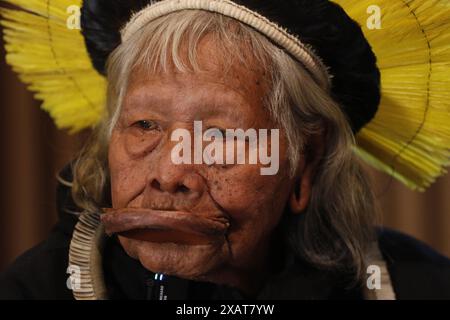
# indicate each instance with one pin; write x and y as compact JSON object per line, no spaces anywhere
{"x":193,"y":262}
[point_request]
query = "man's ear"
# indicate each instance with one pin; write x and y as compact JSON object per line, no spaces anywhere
{"x":307,"y":168}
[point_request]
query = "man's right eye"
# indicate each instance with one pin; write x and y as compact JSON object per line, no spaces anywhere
{"x":146,"y":125}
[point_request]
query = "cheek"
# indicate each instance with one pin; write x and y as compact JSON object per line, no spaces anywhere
{"x":127,"y":172}
{"x":251,"y":199}
{"x":255,"y":204}
{"x":243,"y":190}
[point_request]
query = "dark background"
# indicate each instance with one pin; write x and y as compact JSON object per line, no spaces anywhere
{"x":33,"y":151}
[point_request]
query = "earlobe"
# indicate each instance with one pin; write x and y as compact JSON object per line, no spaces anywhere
{"x":301,"y":191}
{"x":300,"y":195}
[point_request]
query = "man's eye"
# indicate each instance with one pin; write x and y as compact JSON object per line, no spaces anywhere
{"x":214,"y":131}
{"x":146,"y":125}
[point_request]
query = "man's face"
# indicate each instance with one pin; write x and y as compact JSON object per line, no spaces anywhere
{"x":143,"y":174}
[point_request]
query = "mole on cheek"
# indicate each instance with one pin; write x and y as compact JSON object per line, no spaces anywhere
{"x":217,"y":185}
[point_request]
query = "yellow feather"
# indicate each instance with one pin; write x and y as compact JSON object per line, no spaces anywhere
{"x":410,"y":135}
{"x":52,"y":60}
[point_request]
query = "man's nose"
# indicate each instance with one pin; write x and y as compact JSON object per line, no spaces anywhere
{"x":182,"y":179}
{"x":175,"y":181}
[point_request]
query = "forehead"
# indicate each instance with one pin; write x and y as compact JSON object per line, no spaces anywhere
{"x":220,"y":78}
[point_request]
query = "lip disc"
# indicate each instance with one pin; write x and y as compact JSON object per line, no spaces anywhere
{"x":165,"y":226}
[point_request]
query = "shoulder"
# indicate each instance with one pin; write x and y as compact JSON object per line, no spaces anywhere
{"x":417,"y":271}
{"x":40,"y":273}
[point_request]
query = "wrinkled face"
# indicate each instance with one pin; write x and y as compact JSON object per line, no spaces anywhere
{"x":143,"y":174}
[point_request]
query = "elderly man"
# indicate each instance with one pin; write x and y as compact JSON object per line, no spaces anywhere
{"x":224,"y":167}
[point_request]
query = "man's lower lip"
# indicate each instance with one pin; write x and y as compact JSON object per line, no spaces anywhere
{"x":168,"y":236}
{"x":165,"y":226}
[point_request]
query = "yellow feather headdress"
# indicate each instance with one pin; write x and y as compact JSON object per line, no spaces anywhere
{"x":410,"y":135}
{"x":409,"y":138}
{"x":51,"y":58}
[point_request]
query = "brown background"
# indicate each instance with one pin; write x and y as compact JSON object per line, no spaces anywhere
{"x":33,"y":151}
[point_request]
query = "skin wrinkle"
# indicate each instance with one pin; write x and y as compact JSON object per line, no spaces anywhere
{"x":253,"y":203}
{"x":229,"y":218}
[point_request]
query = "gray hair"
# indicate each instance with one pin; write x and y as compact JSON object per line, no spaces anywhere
{"x":337,"y":227}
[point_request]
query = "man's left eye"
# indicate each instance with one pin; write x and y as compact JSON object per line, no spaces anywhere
{"x":215,"y":131}
{"x":146,"y":125}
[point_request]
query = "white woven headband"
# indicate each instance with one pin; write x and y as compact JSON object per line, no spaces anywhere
{"x":280,"y":36}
